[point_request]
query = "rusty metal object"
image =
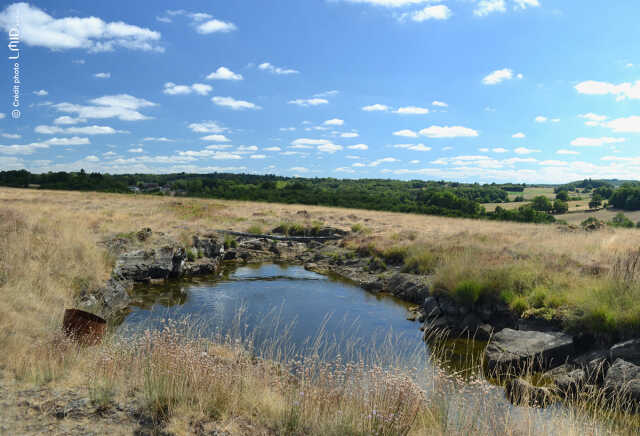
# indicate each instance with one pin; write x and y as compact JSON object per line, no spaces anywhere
{"x":84,"y":327}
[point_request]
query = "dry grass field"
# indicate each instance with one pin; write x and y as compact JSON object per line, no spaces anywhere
{"x":48,"y":249}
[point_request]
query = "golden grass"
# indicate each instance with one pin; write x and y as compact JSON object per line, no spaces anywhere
{"x":49,"y":251}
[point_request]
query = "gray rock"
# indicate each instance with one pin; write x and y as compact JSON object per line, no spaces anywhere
{"x":595,"y":365}
{"x":408,"y":287}
{"x":448,"y":306}
{"x":143,"y":265}
{"x":623,"y":378}
{"x":518,"y":350}
{"x":210,"y":246}
{"x":431,"y":308}
{"x":106,"y":301}
{"x":484,"y":332}
{"x":567,"y":379}
{"x":628,"y":350}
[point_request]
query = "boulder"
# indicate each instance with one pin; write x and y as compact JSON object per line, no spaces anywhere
{"x":210,"y":246}
{"x":522,"y":393}
{"x":628,"y":350}
{"x":201,"y":267}
{"x":567,"y":379}
{"x":519,"y":350}
{"x":623,"y":378}
{"x":144,"y":265}
{"x":595,"y":364}
{"x":431,"y":308}
{"x":408,"y":287}
{"x":484,"y":332}
{"x":106,"y":301}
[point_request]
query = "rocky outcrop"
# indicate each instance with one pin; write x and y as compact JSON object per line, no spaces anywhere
{"x":208,"y":245}
{"x":623,"y":378}
{"x":106,"y":301}
{"x":145,"y":265}
{"x":408,"y":287}
{"x":513,"y":351}
{"x":628,"y":351}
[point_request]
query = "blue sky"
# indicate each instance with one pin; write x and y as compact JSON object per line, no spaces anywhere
{"x":488,"y":90}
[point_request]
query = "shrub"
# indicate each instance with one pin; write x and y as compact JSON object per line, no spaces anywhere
{"x":395,"y":255}
{"x":468,"y":292}
{"x":230,"y":242}
{"x":621,"y":220}
{"x":377,"y":264}
{"x":191,"y":254}
{"x":538,"y":298}
{"x":420,"y":260}
{"x":357,"y":228}
{"x":255,"y":229}
{"x":519,"y":304}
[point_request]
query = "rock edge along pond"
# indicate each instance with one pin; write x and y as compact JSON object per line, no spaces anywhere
{"x":572,"y":363}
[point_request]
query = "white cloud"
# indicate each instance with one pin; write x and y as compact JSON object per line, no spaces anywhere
{"x":358,"y":165}
{"x":377,"y":162}
{"x":563,"y":151}
{"x":258,"y":156}
{"x":413,"y":147}
{"x":2,"y":115}
{"x":122,"y":106}
{"x":331,"y":93}
{"x":406,"y":133}
{"x":439,"y":12}
{"x":524,"y":150}
{"x":215,"y":138}
{"x":625,"y":125}
{"x":358,"y":147}
{"x":243,"y":148}
{"x":102,"y":75}
{"x":11,"y":136}
{"x":555,"y":163}
{"x":486,"y":7}
{"x":524,"y":4}
{"x":37,"y":28}
{"x":299,"y":169}
{"x":266,"y":66}
{"x":518,"y":135}
{"x":92,"y":158}
{"x":498,"y":76}
{"x":171,"y":88}
{"x":329,"y":148}
{"x":41,"y":93}
{"x":215,"y":26}
{"x":448,"y":132}
{"x":309,"y":101}
{"x":499,"y":150}
{"x":344,"y":170}
{"x":392,"y":3}
{"x":234,"y":104}
{"x":595,"y":142}
{"x":309,"y":142}
{"x":157,"y":139}
{"x":223,"y":73}
{"x":334,"y":122}
{"x":349,"y":135}
{"x":439,"y":103}
{"x":411,"y":110}
{"x":273,"y":149}
{"x":376,"y":107}
{"x":85,"y":130}
{"x":68,"y":120}
{"x":207,"y":127}
{"x":621,"y":91}
{"x":541,"y":119}
{"x":415,"y":161}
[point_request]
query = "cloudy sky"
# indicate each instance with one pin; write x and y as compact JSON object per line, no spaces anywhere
{"x":467,"y":90}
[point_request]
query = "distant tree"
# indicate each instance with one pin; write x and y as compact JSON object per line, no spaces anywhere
{"x":541,"y":203}
{"x":563,"y":195}
{"x":518,"y":199}
{"x":560,"y":206}
{"x":596,"y":201}
{"x":621,"y":220}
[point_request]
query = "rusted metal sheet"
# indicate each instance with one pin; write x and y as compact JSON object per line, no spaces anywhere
{"x":84,"y":327}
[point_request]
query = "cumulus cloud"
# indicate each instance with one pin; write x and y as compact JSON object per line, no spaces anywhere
{"x":439,"y":103}
{"x":329,"y":148}
{"x":68,"y":120}
{"x":299,"y":169}
{"x":376,"y":108}
{"x":392,"y":3}
{"x":486,"y":7}
{"x":377,"y":162}
{"x":349,"y":135}
{"x":309,"y":101}
{"x":358,"y":147}
{"x":406,"y":133}
{"x":622,"y":91}
{"x":157,"y":139}
{"x":203,"y":22}
{"x":171,"y":88}
{"x":273,"y":149}
{"x":224,"y":73}
{"x":595,"y":142}
{"x":413,"y":147}
{"x":122,"y":106}
{"x":102,"y":75}
{"x":37,"y":28}
{"x":234,"y":104}
{"x":499,"y":76}
{"x":564,"y":151}
{"x":85,"y":130}
{"x":41,"y":93}
{"x":541,"y":119}
{"x":207,"y":127}
{"x":439,"y":12}
{"x":411,"y":110}
{"x":215,"y":138}
{"x":524,"y":150}
{"x":524,"y":4}
{"x":625,"y":125}
{"x":518,"y":135}
{"x":334,"y":122}
{"x":215,"y":26}
{"x":448,"y":132}
{"x":266,"y":66}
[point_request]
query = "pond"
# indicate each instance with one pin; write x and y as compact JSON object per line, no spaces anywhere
{"x":297,"y":312}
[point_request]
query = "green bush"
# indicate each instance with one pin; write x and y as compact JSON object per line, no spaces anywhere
{"x":394,"y":255}
{"x":230,"y":242}
{"x":191,"y":254}
{"x":519,"y":304}
{"x":621,"y":220}
{"x":468,"y":292}
{"x":255,"y":229}
{"x":421,"y":260}
{"x":357,"y":228}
